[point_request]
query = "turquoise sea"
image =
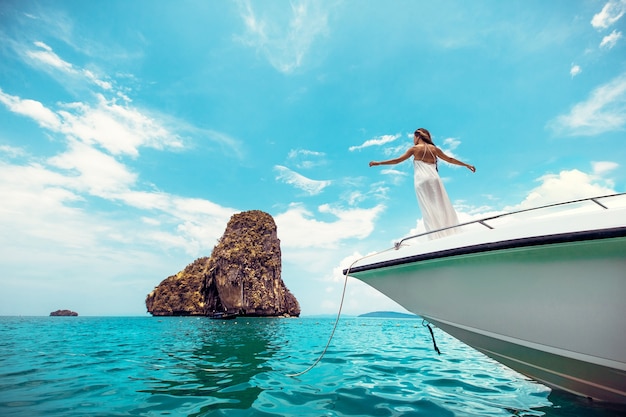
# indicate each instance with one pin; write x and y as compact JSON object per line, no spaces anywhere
{"x":189,"y":366}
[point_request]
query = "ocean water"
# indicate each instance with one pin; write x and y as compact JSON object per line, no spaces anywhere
{"x":189,"y":366}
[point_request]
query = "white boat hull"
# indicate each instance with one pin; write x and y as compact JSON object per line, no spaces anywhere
{"x":551,"y":307}
{"x":557,"y":370}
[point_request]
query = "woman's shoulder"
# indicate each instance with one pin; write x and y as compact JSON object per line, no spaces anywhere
{"x":425,"y":147}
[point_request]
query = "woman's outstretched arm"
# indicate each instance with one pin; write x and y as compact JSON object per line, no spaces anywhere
{"x":454,"y":161}
{"x":394,"y":161}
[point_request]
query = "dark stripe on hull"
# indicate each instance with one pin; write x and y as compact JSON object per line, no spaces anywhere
{"x":495,"y":246}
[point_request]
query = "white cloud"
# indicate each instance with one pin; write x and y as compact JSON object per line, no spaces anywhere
{"x":353,"y":197}
{"x":30,"y":108}
{"x":575,"y":70}
{"x":284,"y":41}
{"x":151,"y":221}
{"x":191,"y":224}
{"x":37,"y":210}
{"x":119,"y":129}
{"x":66,"y":73}
{"x":306,"y":159}
{"x":12,"y":151}
{"x":46,"y":205}
{"x":311,"y":187}
{"x":609,"y":41}
{"x":396,"y":176}
{"x":59,"y":247}
{"x":43,"y":46}
{"x":93,"y":171}
{"x":377,"y":141}
{"x":294,"y":153}
{"x":610,"y":13}
{"x":569,"y":185}
{"x":105,"y":85}
{"x":52,"y":200}
{"x":299,"y":228}
{"x":46,"y":56}
{"x":196,"y":209}
{"x":602,"y":167}
{"x":395,"y":172}
{"x":451,"y":143}
{"x":603,"y":111}
{"x":379,"y":190}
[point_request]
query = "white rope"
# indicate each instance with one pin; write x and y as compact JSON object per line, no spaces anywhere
{"x":343,"y":295}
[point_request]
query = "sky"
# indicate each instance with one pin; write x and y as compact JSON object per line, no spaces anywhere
{"x":130,"y":132}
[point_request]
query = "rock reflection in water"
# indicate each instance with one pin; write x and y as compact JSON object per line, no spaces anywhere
{"x":217,"y":362}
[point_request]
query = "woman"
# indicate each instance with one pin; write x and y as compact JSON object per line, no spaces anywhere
{"x":432,"y":198}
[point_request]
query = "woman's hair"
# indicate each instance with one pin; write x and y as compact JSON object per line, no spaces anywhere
{"x":424,"y":135}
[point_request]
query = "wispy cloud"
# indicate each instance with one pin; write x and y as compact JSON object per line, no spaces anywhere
{"x":451,"y":143}
{"x":377,"y":141}
{"x":108,"y":119}
{"x":105,"y":85}
{"x":44,"y":58}
{"x":311,"y":187}
{"x":294,"y":153}
{"x":603,"y":111}
{"x":610,"y":13}
{"x":284,"y":40}
{"x":230,"y":144}
{"x":609,"y":41}
{"x":575,"y":70}
{"x":306,"y":159}
{"x":391,"y":171}
{"x":12,"y":152}
{"x":395,"y":176}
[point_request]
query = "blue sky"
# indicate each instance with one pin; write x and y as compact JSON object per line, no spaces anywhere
{"x":130,"y":131}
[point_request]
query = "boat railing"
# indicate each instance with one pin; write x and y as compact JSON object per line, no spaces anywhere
{"x":483,"y":221}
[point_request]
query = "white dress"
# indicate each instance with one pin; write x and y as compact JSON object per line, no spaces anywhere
{"x":437,"y":211}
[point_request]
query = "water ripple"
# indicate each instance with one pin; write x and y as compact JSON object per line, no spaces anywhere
{"x":145,"y":366}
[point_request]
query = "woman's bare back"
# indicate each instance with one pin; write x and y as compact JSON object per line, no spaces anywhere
{"x":425,"y":153}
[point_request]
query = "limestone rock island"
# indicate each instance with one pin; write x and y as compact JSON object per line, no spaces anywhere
{"x":242,"y":277}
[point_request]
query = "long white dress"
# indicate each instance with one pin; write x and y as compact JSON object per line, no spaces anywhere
{"x":437,"y":210}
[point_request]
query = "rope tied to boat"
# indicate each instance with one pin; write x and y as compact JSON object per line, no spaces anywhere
{"x":343,"y":295}
{"x":396,"y":246}
{"x":432,"y":336}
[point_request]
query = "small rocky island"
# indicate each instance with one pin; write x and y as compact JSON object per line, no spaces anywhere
{"x":61,"y":313}
{"x":242,"y":277}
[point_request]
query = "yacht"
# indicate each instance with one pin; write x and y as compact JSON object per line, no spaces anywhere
{"x":541,"y":290}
